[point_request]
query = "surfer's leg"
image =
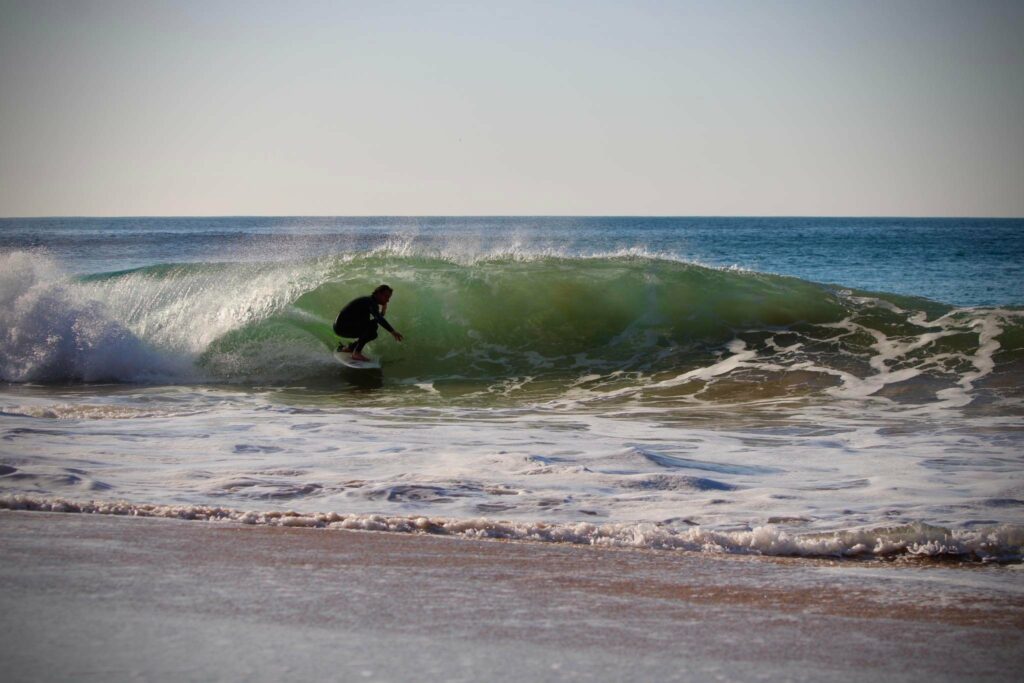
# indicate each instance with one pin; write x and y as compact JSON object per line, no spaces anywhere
{"x":345,"y":329}
{"x":366,"y":335}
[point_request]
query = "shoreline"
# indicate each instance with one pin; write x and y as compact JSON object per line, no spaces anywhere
{"x":1000,"y":544}
{"x":100,"y":596}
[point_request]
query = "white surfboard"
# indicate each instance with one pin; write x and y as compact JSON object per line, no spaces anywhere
{"x":346,"y":360}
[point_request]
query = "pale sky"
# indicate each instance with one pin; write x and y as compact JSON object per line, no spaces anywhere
{"x":145,"y":107}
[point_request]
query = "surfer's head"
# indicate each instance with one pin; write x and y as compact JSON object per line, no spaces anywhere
{"x":382,"y":294}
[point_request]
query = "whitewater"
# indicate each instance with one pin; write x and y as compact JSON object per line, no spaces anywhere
{"x":779,"y":386}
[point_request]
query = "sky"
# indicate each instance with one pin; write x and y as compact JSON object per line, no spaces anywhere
{"x":810,"y":108}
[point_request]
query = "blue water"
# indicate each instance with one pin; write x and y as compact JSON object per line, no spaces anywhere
{"x":963,"y":262}
{"x":778,"y":385}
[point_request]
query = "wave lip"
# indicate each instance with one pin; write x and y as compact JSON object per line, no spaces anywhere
{"x":1002,"y":543}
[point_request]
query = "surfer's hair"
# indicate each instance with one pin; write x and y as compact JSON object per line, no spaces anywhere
{"x":382,"y":289}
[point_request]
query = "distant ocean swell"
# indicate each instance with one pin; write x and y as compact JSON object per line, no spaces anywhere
{"x":569,"y":328}
{"x":1002,"y":543}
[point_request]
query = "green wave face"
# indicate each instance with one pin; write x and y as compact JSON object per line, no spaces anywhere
{"x":499,"y":318}
{"x":647,"y":328}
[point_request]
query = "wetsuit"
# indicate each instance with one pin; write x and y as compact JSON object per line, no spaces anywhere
{"x":359,"y":320}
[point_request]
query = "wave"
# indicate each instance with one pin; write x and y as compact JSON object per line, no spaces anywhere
{"x":598,"y":327}
{"x":1002,"y":543}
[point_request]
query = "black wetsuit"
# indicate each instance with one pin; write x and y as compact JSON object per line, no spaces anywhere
{"x":359,"y":320}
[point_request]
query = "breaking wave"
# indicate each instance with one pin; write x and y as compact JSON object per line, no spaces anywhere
{"x":578,"y":328}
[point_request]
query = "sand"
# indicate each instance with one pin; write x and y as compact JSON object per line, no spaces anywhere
{"x":93,"y":597}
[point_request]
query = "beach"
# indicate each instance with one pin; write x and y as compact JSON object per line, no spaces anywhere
{"x":690,"y":341}
{"x":102,"y":597}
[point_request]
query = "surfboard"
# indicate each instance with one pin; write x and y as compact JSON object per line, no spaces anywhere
{"x":346,"y":360}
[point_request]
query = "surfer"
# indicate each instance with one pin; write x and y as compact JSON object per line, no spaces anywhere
{"x":359,"y":320}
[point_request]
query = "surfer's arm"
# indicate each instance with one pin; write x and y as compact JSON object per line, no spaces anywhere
{"x":384,"y":323}
{"x":386,"y":326}
{"x":378,"y":315}
{"x":383,"y":310}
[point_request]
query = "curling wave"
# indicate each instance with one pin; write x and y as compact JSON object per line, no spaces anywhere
{"x":545,"y":326}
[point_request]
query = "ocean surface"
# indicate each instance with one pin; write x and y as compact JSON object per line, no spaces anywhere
{"x":794,"y":386}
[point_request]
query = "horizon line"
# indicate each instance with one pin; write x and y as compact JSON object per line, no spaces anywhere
{"x":525,"y":215}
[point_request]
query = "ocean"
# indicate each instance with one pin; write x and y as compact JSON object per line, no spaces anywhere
{"x":789,"y":386}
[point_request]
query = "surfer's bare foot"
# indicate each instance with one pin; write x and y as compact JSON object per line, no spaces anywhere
{"x":345,"y":349}
{"x":359,"y":356}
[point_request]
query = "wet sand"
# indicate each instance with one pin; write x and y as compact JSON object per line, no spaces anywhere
{"x":92,"y":597}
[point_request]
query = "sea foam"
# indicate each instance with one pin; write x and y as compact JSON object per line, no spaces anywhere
{"x":1003,"y":543}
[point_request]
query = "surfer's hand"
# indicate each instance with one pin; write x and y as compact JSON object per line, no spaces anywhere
{"x":397,"y":336}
